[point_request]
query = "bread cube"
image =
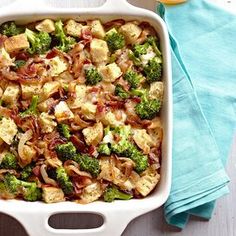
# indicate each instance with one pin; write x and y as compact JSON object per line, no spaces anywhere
{"x":57,"y":66}
{"x":110,"y":119}
{"x":46,"y":25}
{"x":131,"y":32}
{"x":16,"y":43}
{"x":91,"y":193}
{"x":89,"y":110}
{"x":11,"y":94}
{"x":156,"y":90}
{"x":50,"y":88}
{"x":99,"y":50}
{"x":64,"y":78}
{"x":45,"y":105}
{"x":97,"y":29}
{"x":73,"y":28}
{"x":93,"y":135}
{"x":46,"y":122}
{"x":80,"y":91}
{"x":5,"y":59}
{"x":63,"y":112}
{"x":143,"y":140}
{"x":8,"y":130}
{"x":110,"y":72}
{"x":28,"y":90}
{"x":147,"y":182}
{"x":52,"y":194}
{"x":29,"y":154}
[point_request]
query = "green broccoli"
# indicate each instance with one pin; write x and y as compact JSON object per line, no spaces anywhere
{"x":104,"y":149}
{"x":153,"y":41}
{"x":10,"y":29}
{"x":66,"y":151}
{"x":139,"y":49}
{"x":114,"y":40}
{"x":111,"y":193}
{"x":65,"y":42}
{"x":153,"y":70}
{"x":39,"y":42}
{"x":136,"y":60}
{"x":64,"y":130}
{"x":148,"y":108}
{"x":88,"y":164}
{"x":139,"y":92}
{"x":32,"y":110}
{"x":92,"y":76}
{"x":119,"y":91}
{"x":9,"y":161}
{"x":19,"y":63}
{"x":28,"y":190}
{"x":133,"y":78}
{"x":64,"y":180}
{"x":26,"y":172}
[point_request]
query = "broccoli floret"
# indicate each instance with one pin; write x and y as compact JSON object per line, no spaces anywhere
{"x":153,"y":70}
{"x":32,"y":110}
{"x":26,"y":172}
{"x":104,"y":149}
{"x":111,"y":193}
{"x":39,"y":42}
{"x":133,"y":78}
{"x":64,"y":130}
{"x":140,"y":49}
{"x":139,"y":92}
{"x":64,"y":181}
{"x":10,"y":29}
{"x":92,"y":76}
{"x":148,"y":108}
{"x":119,"y":91}
{"x":88,"y":164}
{"x":136,"y":60}
{"x":28,"y":190}
{"x":153,"y":41}
{"x":19,"y":63}
{"x":65,"y":42}
{"x":115,"y":40}
{"x":9,"y":161}
{"x":66,"y":151}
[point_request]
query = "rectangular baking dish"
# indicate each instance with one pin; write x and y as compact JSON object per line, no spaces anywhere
{"x":34,"y":215}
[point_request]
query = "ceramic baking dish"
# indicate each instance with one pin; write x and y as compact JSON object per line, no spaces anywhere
{"x":34,"y":215}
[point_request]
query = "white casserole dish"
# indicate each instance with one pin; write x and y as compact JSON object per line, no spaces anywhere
{"x":34,"y":215}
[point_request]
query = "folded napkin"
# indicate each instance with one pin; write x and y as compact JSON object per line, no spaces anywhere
{"x":202,"y":38}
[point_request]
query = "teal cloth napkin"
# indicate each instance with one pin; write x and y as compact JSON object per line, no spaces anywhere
{"x":202,"y":38}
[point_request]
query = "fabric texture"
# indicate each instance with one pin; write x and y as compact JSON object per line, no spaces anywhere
{"x":202,"y":38}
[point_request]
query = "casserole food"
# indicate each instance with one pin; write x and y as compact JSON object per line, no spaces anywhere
{"x":108,"y":212}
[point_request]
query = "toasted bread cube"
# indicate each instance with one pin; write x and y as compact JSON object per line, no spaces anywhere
{"x":148,"y":181}
{"x":46,"y":122}
{"x":11,"y":94}
{"x":156,"y":90}
{"x":8,"y":130}
{"x":80,"y":91}
{"x":131,"y":32}
{"x":143,"y":140}
{"x":110,"y":72}
{"x":53,"y":194}
{"x":29,"y":154}
{"x":63,"y":112}
{"x":16,"y":43}
{"x":5,"y":59}
{"x":64,"y":78}
{"x":45,"y":105}
{"x":91,"y":193}
{"x":46,"y":25}
{"x":57,"y":66}
{"x":50,"y":88}
{"x":99,"y":50}
{"x":110,"y":119}
{"x":73,"y":28}
{"x":97,"y":29}
{"x":28,"y":90}
{"x":89,"y":110}
{"x":93,"y":135}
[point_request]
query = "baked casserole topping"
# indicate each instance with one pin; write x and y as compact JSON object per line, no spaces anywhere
{"x":79,"y":110}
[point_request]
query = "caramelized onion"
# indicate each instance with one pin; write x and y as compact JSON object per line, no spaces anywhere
{"x":45,"y":177}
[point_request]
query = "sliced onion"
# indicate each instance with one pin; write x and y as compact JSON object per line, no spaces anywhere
{"x":45,"y":176}
{"x":71,"y":169}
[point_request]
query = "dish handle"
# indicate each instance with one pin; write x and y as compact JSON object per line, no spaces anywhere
{"x":114,"y":223}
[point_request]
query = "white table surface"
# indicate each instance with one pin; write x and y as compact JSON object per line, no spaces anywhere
{"x":223,"y":222}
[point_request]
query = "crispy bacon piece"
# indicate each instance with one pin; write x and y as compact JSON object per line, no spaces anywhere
{"x":78,"y":143}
